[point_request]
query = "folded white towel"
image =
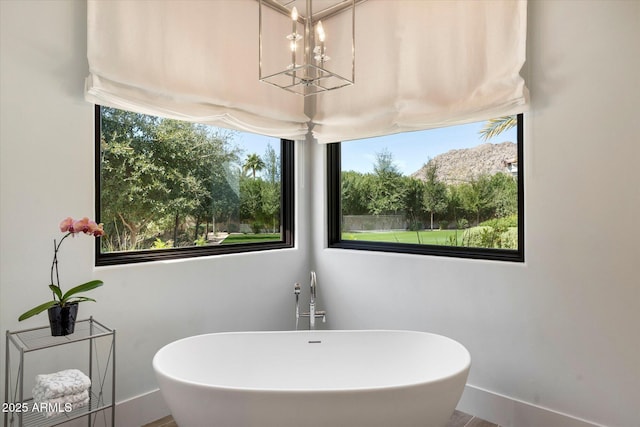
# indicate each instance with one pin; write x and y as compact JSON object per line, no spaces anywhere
{"x":63,"y":383}
{"x":64,"y":404}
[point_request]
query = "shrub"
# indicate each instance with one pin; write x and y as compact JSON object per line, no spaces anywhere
{"x":415,"y":226}
{"x":160,"y":244}
{"x":489,"y":237}
{"x":509,"y":239}
{"x":502,"y":223}
{"x":257,"y":227}
{"x":479,"y":237}
{"x":462,"y":223}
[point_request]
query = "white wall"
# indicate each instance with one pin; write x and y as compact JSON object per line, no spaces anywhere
{"x":47,"y":155}
{"x":560,"y":331}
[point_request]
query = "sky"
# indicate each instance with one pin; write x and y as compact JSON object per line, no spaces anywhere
{"x":256,"y":144}
{"x":411,"y":150}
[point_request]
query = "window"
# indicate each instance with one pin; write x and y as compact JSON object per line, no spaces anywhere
{"x":169,"y":189}
{"x":455,"y":191}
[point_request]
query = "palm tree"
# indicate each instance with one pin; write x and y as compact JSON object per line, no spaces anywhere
{"x":494,"y":127}
{"x":253,"y":163}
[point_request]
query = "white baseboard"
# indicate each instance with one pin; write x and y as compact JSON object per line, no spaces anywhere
{"x":496,"y":408}
{"x":508,"y":412}
{"x":141,"y":410}
{"x":134,"y":412}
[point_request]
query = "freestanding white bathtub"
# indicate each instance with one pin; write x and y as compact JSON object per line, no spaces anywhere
{"x":312,"y":378}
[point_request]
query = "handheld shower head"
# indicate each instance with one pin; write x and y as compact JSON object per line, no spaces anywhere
{"x":313,"y":286}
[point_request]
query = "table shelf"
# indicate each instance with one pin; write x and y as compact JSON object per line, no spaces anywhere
{"x":20,"y":411}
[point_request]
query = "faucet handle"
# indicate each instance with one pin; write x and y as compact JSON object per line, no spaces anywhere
{"x":296,"y":289}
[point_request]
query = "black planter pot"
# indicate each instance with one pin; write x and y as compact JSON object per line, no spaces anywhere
{"x":63,"y":319}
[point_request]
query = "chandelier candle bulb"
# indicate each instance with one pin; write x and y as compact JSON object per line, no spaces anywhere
{"x":320,"y":30}
{"x":321,"y":37}
{"x":294,"y":41}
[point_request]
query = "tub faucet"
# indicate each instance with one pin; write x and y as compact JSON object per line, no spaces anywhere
{"x":313,"y":313}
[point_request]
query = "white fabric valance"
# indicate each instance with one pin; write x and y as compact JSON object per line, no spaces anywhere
{"x":427,"y":64}
{"x":419,"y":65}
{"x":191,"y":60}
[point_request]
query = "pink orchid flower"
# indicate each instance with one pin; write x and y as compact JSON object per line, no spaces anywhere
{"x":95,"y":229}
{"x":81,"y":226}
{"x":66,"y":224}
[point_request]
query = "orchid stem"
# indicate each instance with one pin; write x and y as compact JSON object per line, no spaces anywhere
{"x":54,"y":264}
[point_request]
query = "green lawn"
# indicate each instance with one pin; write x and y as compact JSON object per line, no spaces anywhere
{"x":435,"y":237}
{"x":233,"y":239}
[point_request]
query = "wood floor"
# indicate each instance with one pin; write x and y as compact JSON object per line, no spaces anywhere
{"x":458,"y":419}
{"x":163,"y":422}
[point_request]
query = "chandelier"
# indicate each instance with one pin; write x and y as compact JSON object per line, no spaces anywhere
{"x":307,"y":51}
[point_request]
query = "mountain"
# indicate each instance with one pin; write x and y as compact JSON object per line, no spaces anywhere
{"x":463,"y":165}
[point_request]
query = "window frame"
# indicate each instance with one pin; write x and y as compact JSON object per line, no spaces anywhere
{"x":334,"y":215}
{"x":287,"y":216}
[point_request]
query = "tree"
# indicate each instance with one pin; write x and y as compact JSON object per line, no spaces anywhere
{"x":476,"y":196}
{"x":128,"y":177}
{"x":454,"y":203}
{"x":271,"y":162}
{"x":435,"y":192}
{"x":385,"y":164}
{"x":225,"y":194}
{"x":270,"y":194}
{"x":160,"y":177}
{"x":413,"y":201}
{"x":270,"y":204}
{"x":254,"y":164}
{"x":387,"y":192}
{"x":355,"y":191}
{"x":184,"y":152}
{"x":504,"y":195}
{"x":250,"y":198}
{"x":495,"y":127}
{"x":219,"y":170}
{"x":469,"y":199}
